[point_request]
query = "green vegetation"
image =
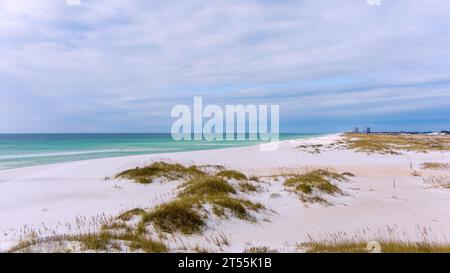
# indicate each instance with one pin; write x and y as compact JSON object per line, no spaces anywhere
{"x":393,"y":143}
{"x":247,"y":187}
{"x":184,"y":214}
{"x":178,"y":215}
{"x":232,"y":174}
{"x":206,"y":185}
{"x":146,"y":175}
{"x":275,"y":195}
{"x":104,"y":240}
{"x":317,"y":180}
{"x":115,"y":226}
{"x":99,"y":242}
{"x":238,"y":207}
{"x":212,"y":167}
{"x":260,"y":249}
{"x":126,"y":216}
{"x":201,"y":195}
{"x":188,"y":212}
{"x":386,"y":247}
{"x":438,"y":181}
{"x":254,"y":178}
{"x":436,"y":166}
{"x":312,"y":149}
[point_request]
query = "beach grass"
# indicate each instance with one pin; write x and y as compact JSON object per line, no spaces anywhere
{"x":435,"y":166}
{"x":232,"y":174}
{"x":442,"y":182}
{"x":315,"y":181}
{"x":176,"y":216}
{"x":187,"y":215}
{"x":128,"y":215}
{"x":188,"y":212}
{"x":206,"y":185}
{"x":237,"y":206}
{"x":385,"y":247}
{"x":201,"y":196}
{"x":103,"y":241}
{"x":395,"y":143}
{"x":247,"y":187}
{"x":146,"y":175}
{"x":260,"y":249}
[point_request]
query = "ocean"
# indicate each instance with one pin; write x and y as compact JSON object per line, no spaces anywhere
{"x":23,"y":150}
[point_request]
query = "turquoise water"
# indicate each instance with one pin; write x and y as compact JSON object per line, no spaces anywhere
{"x":22,"y":150}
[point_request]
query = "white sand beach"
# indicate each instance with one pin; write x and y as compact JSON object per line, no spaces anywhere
{"x":55,"y":198}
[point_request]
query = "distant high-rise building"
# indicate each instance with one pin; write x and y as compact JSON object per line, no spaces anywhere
{"x":356,"y":130}
{"x":368,"y":130}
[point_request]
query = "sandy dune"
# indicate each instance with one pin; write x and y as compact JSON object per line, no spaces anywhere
{"x":53,"y":196}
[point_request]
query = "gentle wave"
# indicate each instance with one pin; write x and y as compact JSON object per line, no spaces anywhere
{"x":88,"y":152}
{"x":23,"y":150}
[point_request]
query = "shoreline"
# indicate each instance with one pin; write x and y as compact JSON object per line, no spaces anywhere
{"x":138,"y":151}
{"x":139,"y":158}
{"x":57,"y":194}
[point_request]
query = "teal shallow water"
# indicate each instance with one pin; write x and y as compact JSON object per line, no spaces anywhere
{"x":23,"y":150}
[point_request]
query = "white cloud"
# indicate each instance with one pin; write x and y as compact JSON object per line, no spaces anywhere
{"x":135,"y":59}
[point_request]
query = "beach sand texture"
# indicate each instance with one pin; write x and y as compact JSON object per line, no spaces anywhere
{"x":388,"y":196}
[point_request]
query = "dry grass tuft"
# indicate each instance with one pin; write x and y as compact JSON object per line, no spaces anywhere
{"x":232,"y":174}
{"x":146,"y":175}
{"x":385,"y":247}
{"x":316,"y":181}
{"x":260,"y":249}
{"x":238,"y":207}
{"x":247,"y":187}
{"x":128,"y":215}
{"x":206,"y":185}
{"x":442,"y":182}
{"x":436,"y":166}
{"x":97,"y":242}
{"x":178,"y":215}
{"x":188,"y":212}
{"x":202,"y":195}
{"x":394,"y":143}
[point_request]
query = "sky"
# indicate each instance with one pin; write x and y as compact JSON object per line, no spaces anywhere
{"x":120,"y":66}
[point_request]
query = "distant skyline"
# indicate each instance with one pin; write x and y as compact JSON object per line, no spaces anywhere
{"x":120,"y":66}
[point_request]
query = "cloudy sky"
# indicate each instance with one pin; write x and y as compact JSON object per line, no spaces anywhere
{"x":120,"y":66}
